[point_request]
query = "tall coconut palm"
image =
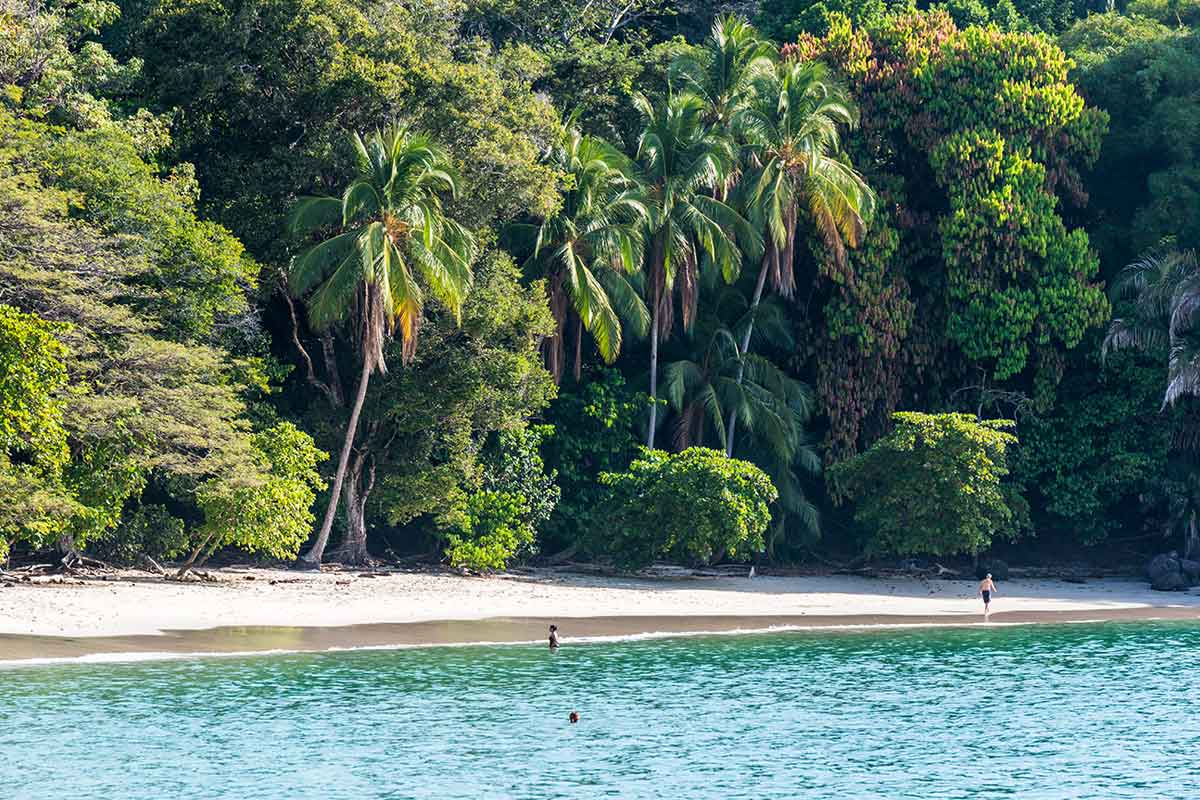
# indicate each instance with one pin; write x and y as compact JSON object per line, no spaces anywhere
{"x":1164,"y":287}
{"x":792,"y":128}
{"x":680,"y":159}
{"x":721,"y":72}
{"x":385,"y":243}
{"x":588,"y":248}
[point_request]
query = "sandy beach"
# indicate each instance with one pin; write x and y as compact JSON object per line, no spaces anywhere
{"x":262,"y":609}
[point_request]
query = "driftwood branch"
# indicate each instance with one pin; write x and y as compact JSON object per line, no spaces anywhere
{"x":151,"y":565}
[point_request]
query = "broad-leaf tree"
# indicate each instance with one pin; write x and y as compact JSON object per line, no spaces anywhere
{"x":934,"y":485}
{"x":697,"y":507}
{"x":386,"y":243}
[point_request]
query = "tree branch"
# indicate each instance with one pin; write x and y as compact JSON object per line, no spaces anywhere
{"x":333,"y":394}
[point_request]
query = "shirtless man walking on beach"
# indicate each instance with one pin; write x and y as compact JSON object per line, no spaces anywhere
{"x":986,"y":587}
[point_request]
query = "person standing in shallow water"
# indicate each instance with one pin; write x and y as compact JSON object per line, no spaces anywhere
{"x":553,"y":637}
{"x":986,"y":587}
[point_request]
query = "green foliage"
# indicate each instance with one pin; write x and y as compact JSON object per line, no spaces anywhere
{"x":48,"y":64}
{"x":976,"y":137}
{"x":544,"y":22}
{"x":33,"y":442}
{"x":261,"y":135}
{"x":784,"y":20}
{"x":32,"y":376}
{"x":145,"y":529}
{"x":490,"y":531}
{"x":594,"y":431}
{"x":1094,"y":465}
{"x":513,"y":465}
{"x":1146,"y":185}
{"x":933,"y":485}
{"x":428,"y":423}
{"x":271,"y":512}
{"x":692,"y":507}
{"x":1016,"y":271}
{"x":199,"y":275}
{"x":94,"y":241}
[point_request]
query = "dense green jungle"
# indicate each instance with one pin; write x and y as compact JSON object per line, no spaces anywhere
{"x":802,"y":283}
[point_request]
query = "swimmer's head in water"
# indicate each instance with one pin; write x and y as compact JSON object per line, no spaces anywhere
{"x":574,"y":717}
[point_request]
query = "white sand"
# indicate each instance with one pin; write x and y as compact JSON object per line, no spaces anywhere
{"x":138,"y":605}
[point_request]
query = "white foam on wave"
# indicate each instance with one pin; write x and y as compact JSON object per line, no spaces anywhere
{"x":139,"y":656}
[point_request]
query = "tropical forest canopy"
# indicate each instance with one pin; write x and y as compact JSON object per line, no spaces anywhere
{"x":487,"y":281}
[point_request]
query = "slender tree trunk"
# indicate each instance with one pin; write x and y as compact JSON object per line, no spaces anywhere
{"x":353,"y":549}
{"x":1189,"y":545}
{"x":731,"y":425}
{"x":653,"y":375}
{"x":312,"y":559}
{"x":208,"y":551}
{"x":578,"y":349}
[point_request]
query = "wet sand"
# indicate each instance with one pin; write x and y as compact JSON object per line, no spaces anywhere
{"x":15,"y":649}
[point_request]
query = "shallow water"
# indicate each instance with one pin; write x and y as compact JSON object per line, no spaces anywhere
{"x":1098,"y":711}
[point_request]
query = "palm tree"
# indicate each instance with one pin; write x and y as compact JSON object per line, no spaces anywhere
{"x":792,"y":129}
{"x":680,"y":158}
{"x":386,"y":241}
{"x":722,"y":71}
{"x":1164,"y":289}
{"x":773,"y":407}
{"x":703,"y":390}
{"x":1164,"y":286}
{"x":587,"y":249}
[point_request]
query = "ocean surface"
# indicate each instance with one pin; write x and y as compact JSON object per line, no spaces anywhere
{"x":1100,"y":711}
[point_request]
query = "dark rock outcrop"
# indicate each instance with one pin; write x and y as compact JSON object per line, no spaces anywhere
{"x":1170,"y":573}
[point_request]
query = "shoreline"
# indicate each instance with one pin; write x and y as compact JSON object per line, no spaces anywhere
{"x":248,"y":610}
{"x":24,"y":650}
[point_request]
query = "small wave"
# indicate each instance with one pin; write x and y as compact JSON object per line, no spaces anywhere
{"x":139,"y":656}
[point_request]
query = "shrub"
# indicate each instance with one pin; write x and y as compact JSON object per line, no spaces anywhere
{"x":932,"y":486}
{"x":695,"y":507}
{"x":489,"y":530}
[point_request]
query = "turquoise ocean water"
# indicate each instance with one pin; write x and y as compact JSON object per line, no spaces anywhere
{"x":1097,"y":711}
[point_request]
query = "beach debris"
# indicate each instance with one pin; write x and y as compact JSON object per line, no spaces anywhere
{"x":151,"y":565}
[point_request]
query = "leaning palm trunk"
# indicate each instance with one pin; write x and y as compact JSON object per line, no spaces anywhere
{"x":778,"y":262}
{"x":313,"y":557}
{"x":658,"y":291}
